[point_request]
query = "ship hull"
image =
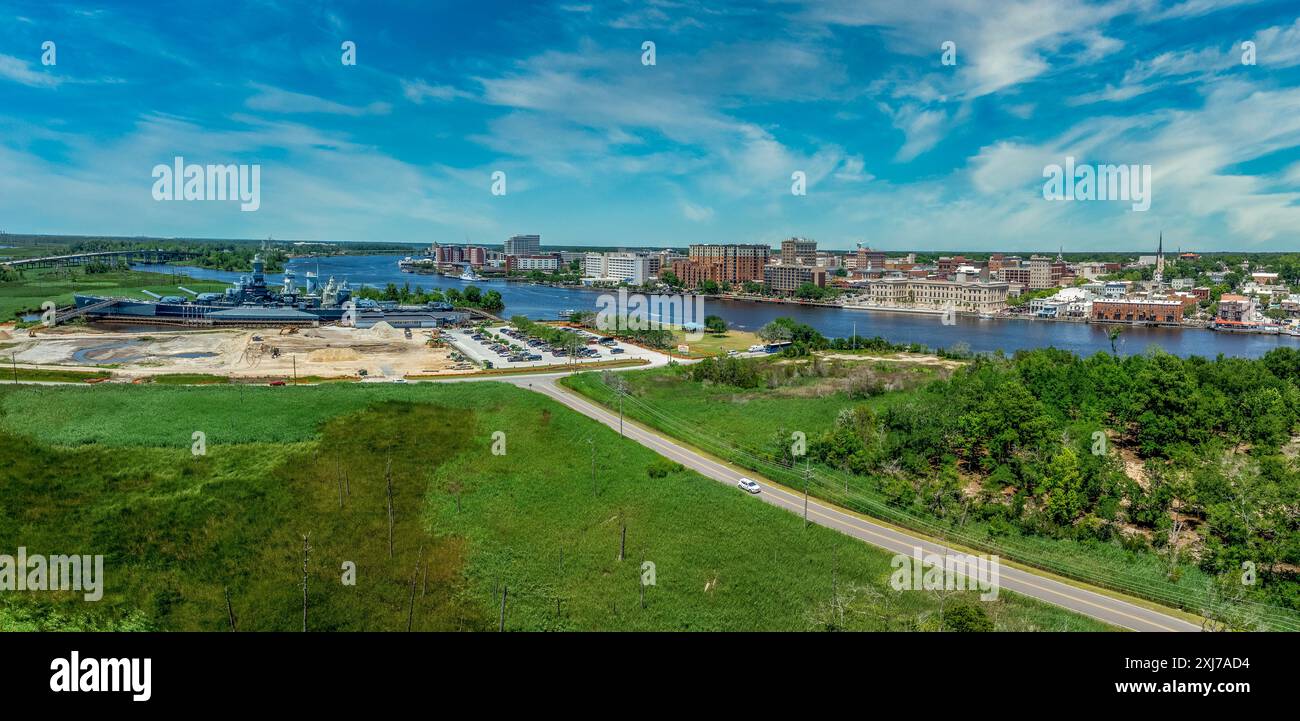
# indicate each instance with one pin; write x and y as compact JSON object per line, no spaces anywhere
{"x":126,"y":307}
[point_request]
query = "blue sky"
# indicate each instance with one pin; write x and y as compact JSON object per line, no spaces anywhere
{"x":900,"y":151}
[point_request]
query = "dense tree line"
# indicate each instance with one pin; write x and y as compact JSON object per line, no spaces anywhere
{"x":471,"y":297}
{"x":1039,"y":437}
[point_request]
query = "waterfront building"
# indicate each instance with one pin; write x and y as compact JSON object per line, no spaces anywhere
{"x":722,"y":264}
{"x":448,"y":254}
{"x":1067,"y":303}
{"x":938,"y":294}
{"x":1147,"y":311}
{"x":1236,"y":308}
{"x":630,"y":268}
{"x":523,"y":245}
{"x":547,"y":263}
{"x":786,"y":278}
{"x":663,"y":260}
{"x":798,"y":251}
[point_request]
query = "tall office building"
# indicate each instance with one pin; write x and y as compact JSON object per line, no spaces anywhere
{"x":523,"y":245}
{"x":798,"y":251}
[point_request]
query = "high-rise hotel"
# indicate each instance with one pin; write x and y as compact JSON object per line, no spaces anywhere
{"x":722,"y":264}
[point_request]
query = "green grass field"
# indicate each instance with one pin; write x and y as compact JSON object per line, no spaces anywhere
{"x":37,"y":285}
{"x":714,"y":344}
{"x":7,"y":375}
{"x":109,"y":469}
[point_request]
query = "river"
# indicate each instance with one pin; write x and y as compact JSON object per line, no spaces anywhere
{"x":546,"y":302}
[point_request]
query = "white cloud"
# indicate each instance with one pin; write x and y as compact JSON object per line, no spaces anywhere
{"x":696,"y":213}
{"x":275,"y":100}
{"x":418,"y":91}
{"x":20,"y":71}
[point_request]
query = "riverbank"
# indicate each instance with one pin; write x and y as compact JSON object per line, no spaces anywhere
{"x":541,"y":302}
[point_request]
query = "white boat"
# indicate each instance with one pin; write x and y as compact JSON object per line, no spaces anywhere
{"x":469,"y":274}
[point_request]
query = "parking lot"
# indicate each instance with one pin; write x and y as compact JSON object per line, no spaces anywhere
{"x":504,"y":347}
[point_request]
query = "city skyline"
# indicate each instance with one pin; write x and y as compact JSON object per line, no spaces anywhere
{"x":599,"y":148}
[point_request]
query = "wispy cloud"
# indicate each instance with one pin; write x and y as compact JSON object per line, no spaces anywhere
{"x":20,"y":71}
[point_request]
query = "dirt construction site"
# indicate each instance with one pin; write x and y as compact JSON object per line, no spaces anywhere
{"x":327,"y":352}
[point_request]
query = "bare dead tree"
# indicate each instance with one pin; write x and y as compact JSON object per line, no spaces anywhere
{"x":338,"y":475}
{"x":388,"y":481}
{"x":1175,"y":529}
{"x":304,"y":582}
{"x":410,"y":611}
{"x":455,"y":488}
{"x":641,"y":581}
{"x":230,"y":611}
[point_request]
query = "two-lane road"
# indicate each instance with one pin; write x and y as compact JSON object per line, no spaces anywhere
{"x":1099,"y":606}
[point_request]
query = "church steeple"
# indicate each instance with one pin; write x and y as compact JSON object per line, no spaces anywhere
{"x":1159,"y":275}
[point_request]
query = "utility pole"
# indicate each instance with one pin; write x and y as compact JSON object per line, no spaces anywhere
{"x":592,"y":443}
{"x":620,"y":413}
{"x":304,"y":583}
{"x":14,"y":359}
{"x":807,"y":473}
{"x":295,"y":368}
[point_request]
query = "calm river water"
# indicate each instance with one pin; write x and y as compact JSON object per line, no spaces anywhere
{"x":544,"y":302}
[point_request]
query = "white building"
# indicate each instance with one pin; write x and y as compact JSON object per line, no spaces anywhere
{"x":938,"y":294}
{"x":630,"y":268}
{"x":1116,"y":288}
{"x":1068,"y":303}
{"x":545,"y":263}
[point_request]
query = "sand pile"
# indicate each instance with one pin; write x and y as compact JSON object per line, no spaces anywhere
{"x":4,"y":335}
{"x":382,"y":330}
{"x":329,"y":355}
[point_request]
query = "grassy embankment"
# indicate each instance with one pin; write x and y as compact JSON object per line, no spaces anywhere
{"x":52,"y":375}
{"x":110,"y":470}
{"x":26,"y":292}
{"x":714,"y":344}
{"x":739,"y":425}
